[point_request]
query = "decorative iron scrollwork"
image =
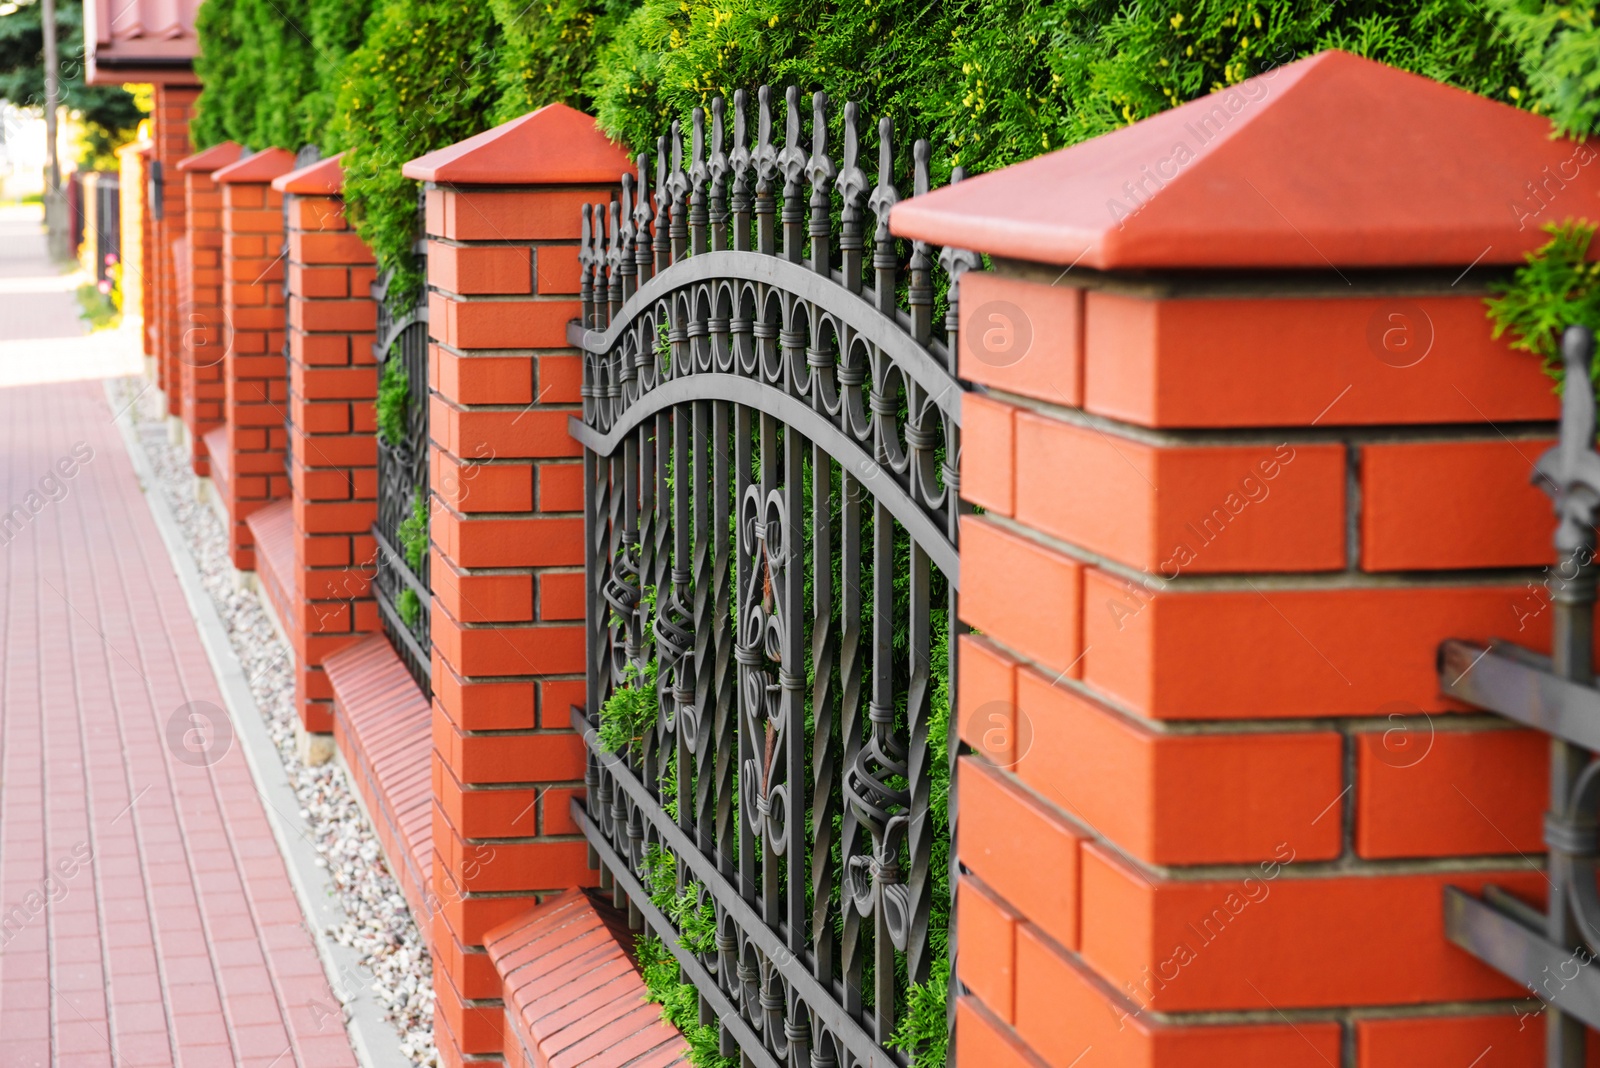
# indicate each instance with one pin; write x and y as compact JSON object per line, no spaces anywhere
{"x":770,"y":443}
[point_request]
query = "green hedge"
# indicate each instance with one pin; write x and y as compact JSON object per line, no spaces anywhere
{"x":989,"y":82}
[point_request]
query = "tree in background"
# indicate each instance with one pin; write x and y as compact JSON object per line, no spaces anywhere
{"x":109,"y":115}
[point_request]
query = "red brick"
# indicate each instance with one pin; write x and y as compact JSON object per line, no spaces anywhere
{"x":1457,"y":504}
{"x":509,"y":758}
{"x":1170,"y":510}
{"x":1021,"y":848}
{"x":561,"y":595}
{"x":327,"y":248}
{"x":500,"y":324}
{"x":560,"y":379}
{"x":505,"y":435}
{"x":508,"y":650}
{"x":982,"y":1039}
{"x":318,"y":282}
{"x":490,"y":598}
{"x":534,"y":214}
{"x":484,"y":704}
{"x":1425,"y":792}
{"x":1067,"y":1014}
{"x":986,"y":706}
{"x":473,"y":379}
{"x":1274,"y":652}
{"x":556,"y":698}
{"x":555,"y":807}
{"x":1044,"y":625}
{"x":529,"y":541}
{"x":1513,"y":1040}
{"x":988,"y":952}
{"x":1181,"y":798}
{"x":1242,"y":943}
{"x":469,"y":270}
{"x":1252,"y":362}
{"x":482,"y":487}
{"x":1022,"y":337}
{"x":988,"y":440}
{"x":502,"y":866}
{"x":557,"y":269}
{"x":560,"y":487}
{"x":344,"y":316}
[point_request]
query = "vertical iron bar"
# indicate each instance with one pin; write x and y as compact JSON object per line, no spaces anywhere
{"x":882,"y":711}
{"x":792,"y":677}
{"x":725,"y":696}
{"x":704,"y":669}
{"x":1572,"y":649}
{"x":824,"y":803}
{"x":852,"y":677}
{"x":919,"y":838}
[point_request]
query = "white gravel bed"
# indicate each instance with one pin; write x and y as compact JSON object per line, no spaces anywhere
{"x":378,"y":924}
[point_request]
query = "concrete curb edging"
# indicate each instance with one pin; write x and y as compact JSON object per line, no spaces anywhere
{"x":374,"y":1039}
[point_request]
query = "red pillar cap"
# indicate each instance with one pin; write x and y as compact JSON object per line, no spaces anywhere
{"x":210,"y":159}
{"x":323,"y":178}
{"x":264,"y":166}
{"x":1330,"y":161}
{"x":552,"y":146}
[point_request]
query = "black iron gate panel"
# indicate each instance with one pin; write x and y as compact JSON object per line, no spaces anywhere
{"x":400,"y":580}
{"x":771,"y":517}
{"x":1550,"y":952}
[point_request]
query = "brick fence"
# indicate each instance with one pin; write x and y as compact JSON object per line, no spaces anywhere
{"x":1245,"y":454}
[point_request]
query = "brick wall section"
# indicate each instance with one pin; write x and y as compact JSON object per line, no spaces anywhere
{"x":202,"y":340}
{"x":330,"y":319}
{"x":256,"y":395}
{"x":170,"y":131}
{"x":1210,"y":769}
{"x":506,"y":525}
{"x":1348,"y":555}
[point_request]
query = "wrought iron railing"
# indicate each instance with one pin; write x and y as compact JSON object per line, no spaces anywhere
{"x":400,"y":584}
{"x":771,"y":514}
{"x":1550,"y":952}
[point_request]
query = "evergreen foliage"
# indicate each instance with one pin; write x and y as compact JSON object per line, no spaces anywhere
{"x":110,"y":114}
{"x":1558,"y":287}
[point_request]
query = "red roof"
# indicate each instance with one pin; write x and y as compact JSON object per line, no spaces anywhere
{"x":209,"y":159}
{"x":552,"y":145}
{"x":322,"y":178}
{"x":1333,"y":160}
{"x":264,"y":166}
{"x":140,"y":41}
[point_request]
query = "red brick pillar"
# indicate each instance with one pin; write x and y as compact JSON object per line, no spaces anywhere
{"x":333,"y":380}
{"x":174,"y":105}
{"x":1236,"y":490}
{"x":203,"y":339}
{"x":251,"y":473}
{"x":507,"y":531}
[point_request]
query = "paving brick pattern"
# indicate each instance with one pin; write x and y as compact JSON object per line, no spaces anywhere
{"x":146,"y":917}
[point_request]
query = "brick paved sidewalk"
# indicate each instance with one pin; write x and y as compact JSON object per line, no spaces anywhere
{"x":145,"y":913}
